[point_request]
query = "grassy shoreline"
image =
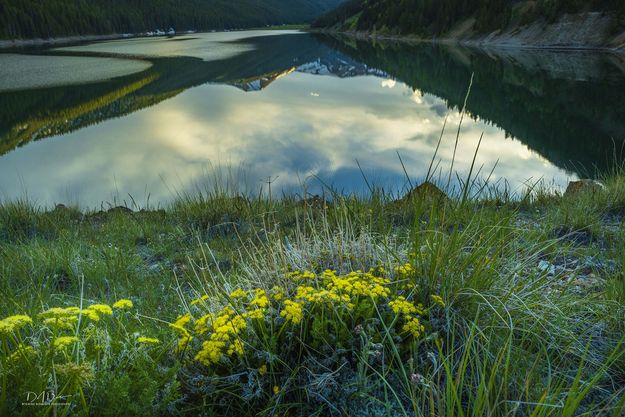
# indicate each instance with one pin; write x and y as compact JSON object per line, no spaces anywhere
{"x":530,"y":319}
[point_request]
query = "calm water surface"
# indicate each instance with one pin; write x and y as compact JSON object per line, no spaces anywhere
{"x":151,"y":118}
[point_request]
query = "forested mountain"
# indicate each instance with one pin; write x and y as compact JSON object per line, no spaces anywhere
{"x":49,"y":18}
{"x":436,"y":17}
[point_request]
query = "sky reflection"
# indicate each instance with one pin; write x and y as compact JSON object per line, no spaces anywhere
{"x":301,"y":127}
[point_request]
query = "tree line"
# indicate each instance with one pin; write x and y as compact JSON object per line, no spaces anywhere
{"x":435,"y":17}
{"x":52,"y":18}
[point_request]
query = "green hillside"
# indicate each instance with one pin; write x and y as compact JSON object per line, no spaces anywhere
{"x":50,"y":18}
{"x":436,"y":17}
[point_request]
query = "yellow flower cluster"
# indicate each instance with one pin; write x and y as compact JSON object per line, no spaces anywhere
{"x":60,"y":312}
{"x":62,"y":342}
{"x":182,"y":321}
{"x":404,"y":270}
{"x":179,"y":326}
{"x":183,"y":343}
{"x":301,"y":276}
{"x":256,"y":314}
{"x":225,"y":329}
{"x":184,"y":337}
{"x":223,"y":332}
{"x":199,"y":300}
{"x":277,"y":293}
{"x":14,"y":323}
{"x":310,"y":294}
{"x":101,"y":309}
{"x":401,"y":306}
{"x":260,"y":300}
{"x":238,"y":293}
{"x":123,"y":304}
{"x":66,"y":318}
{"x":212,"y":351}
{"x":437,"y":299}
{"x":262,"y":370}
{"x":292,"y":311}
{"x":357,"y":284}
{"x":413,"y":326}
{"x":62,"y":322}
{"x":148,"y":340}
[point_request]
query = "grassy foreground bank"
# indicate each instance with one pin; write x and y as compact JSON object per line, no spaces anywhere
{"x":221,"y":304}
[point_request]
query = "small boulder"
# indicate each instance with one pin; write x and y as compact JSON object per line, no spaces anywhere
{"x":585,"y":184}
{"x":426,"y":190}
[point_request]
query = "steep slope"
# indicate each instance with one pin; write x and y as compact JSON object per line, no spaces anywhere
{"x":475,"y":19}
{"x":50,"y":18}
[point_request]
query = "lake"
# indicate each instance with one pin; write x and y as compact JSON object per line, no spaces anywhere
{"x":141,"y":121}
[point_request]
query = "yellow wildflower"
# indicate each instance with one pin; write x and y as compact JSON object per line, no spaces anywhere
{"x":292,"y":311}
{"x":60,"y":312}
{"x":123,"y":304}
{"x":262,"y":370}
{"x":229,"y":326}
{"x":183,"y":320}
{"x":260,"y":300}
{"x":400,"y":305}
{"x":201,"y":324}
{"x":101,"y":309}
{"x":238,"y":293}
{"x":183,"y":342}
{"x":63,"y":322}
{"x":437,"y":299}
{"x":413,"y":326}
{"x":256,"y":314}
{"x":199,"y":300}
{"x":276,"y":390}
{"x":62,"y":342}
{"x":91,"y":314}
{"x":278,"y":293}
{"x":305,"y":292}
{"x":182,"y":332}
{"x":358,"y":283}
{"x":235,"y":347}
{"x":13,"y":323}
{"x":300,"y":276}
{"x":211,"y":352}
{"x":404,"y":270}
{"x":148,"y":340}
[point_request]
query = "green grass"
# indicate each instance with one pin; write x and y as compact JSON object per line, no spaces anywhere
{"x":534,"y":290}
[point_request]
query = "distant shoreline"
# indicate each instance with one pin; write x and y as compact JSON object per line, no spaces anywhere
{"x":65,"y":40}
{"x":472,"y":43}
{"x":10,"y":44}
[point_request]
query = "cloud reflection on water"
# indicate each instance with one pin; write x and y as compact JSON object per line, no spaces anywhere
{"x":282,"y":131}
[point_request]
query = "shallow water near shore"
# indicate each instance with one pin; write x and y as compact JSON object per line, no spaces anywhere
{"x":303,"y":111}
